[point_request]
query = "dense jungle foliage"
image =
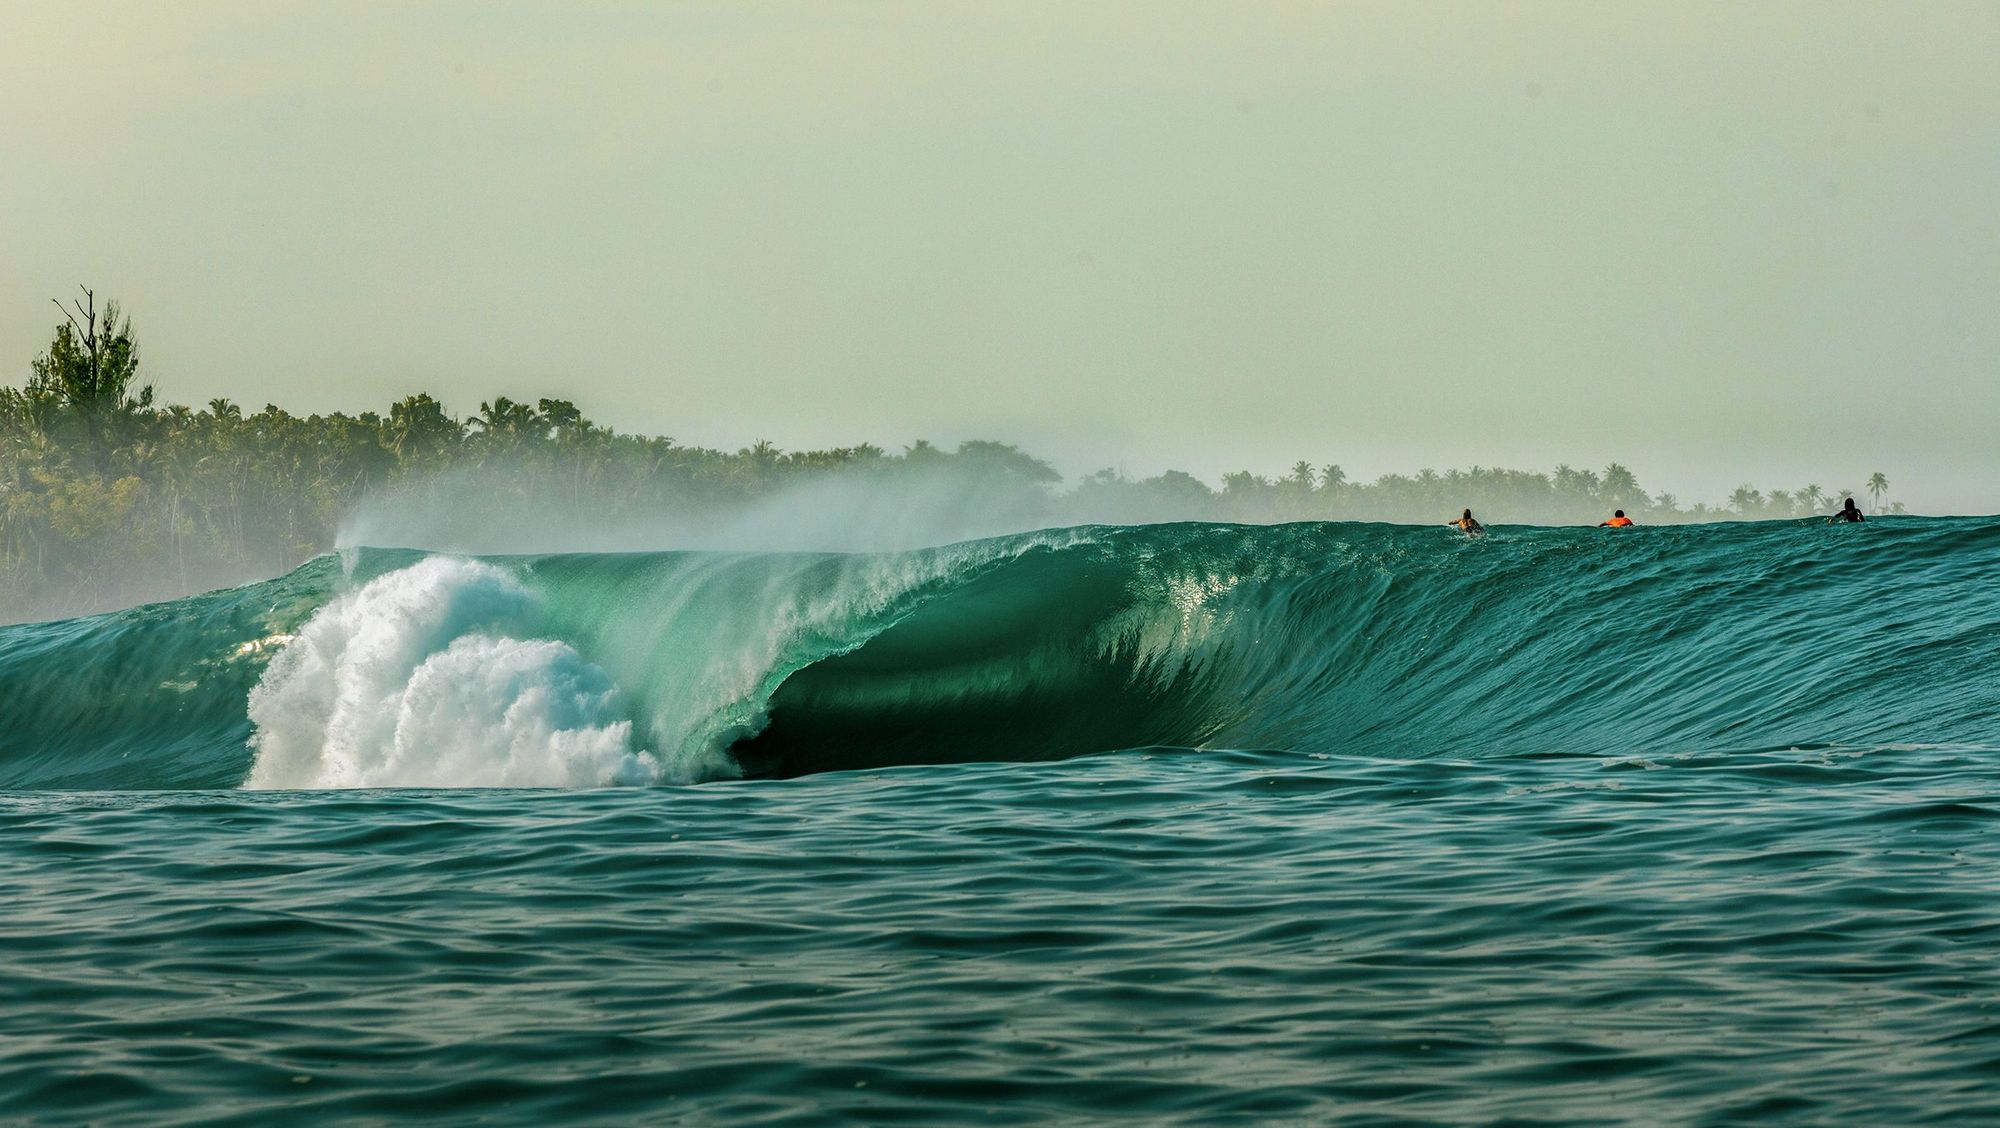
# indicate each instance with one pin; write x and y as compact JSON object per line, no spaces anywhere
{"x":109,"y":497}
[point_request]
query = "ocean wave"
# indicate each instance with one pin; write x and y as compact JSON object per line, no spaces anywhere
{"x":386,"y":668}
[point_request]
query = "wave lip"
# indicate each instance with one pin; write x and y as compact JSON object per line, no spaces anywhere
{"x":1057,"y":654}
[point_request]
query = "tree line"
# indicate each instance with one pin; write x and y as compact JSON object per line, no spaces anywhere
{"x":108,"y":496}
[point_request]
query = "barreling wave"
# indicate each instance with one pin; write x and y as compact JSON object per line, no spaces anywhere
{"x":390,"y":668}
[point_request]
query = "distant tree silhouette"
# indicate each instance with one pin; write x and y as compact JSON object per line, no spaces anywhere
{"x":108,"y":497}
{"x":1878,"y":484}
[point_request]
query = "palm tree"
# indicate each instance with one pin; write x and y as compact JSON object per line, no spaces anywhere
{"x":420,"y":429}
{"x":504,"y":417}
{"x":1745,"y":501}
{"x":1813,"y":497}
{"x":1878,"y":483}
{"x":1620,"y":488}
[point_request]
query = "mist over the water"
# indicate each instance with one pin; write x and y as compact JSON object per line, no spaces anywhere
{"x":489,"y":509}
{"x":112,"y":497}
{"x":844,"y":511}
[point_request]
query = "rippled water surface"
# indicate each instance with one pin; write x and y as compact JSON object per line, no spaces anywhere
{"x":1791,"y":936}
{"x":1555,"y":826}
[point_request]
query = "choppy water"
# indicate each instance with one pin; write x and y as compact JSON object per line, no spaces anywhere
{"x":1675,"y":826}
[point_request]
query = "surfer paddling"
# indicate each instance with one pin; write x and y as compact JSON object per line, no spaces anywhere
{"x":1618,"y":521}
{"x":1851,"y":513}
{"x":1467,"y":525}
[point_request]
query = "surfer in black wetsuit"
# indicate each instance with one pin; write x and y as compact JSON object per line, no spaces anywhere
{"x":1467,"y":525}
{"x":1851,"y":513}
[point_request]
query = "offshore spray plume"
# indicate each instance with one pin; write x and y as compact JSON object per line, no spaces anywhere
{"x":488,"y":510}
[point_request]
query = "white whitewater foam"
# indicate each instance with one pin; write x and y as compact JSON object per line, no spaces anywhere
{"x":417,"y":680}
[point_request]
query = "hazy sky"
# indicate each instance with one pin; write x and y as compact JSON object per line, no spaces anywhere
{"x":1717,"y":242}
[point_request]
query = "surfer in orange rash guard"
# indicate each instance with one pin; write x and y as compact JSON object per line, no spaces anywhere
{"x":1851,"y":513}
{"x":1466,"y":524}
{"x":1618,"y":521}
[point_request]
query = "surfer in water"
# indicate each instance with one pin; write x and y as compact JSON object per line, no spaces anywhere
{"x":1851,"y":513}
{"x":1467,"y":525}
{"x":1618,"y":521}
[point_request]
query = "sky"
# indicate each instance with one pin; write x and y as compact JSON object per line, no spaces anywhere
{"x":1717,"y":243}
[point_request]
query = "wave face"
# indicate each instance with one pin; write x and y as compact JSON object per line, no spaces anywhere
{"x":386,"y":668}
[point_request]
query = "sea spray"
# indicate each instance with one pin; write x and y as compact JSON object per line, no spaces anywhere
{"x":417,"y":680}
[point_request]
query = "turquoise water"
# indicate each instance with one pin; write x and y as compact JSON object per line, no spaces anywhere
{"x":1182,"y":825}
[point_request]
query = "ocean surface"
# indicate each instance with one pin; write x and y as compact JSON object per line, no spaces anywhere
{"x":1180,"y":824}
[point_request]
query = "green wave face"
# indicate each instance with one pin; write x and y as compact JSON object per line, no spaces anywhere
{"x":401,"y":669}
